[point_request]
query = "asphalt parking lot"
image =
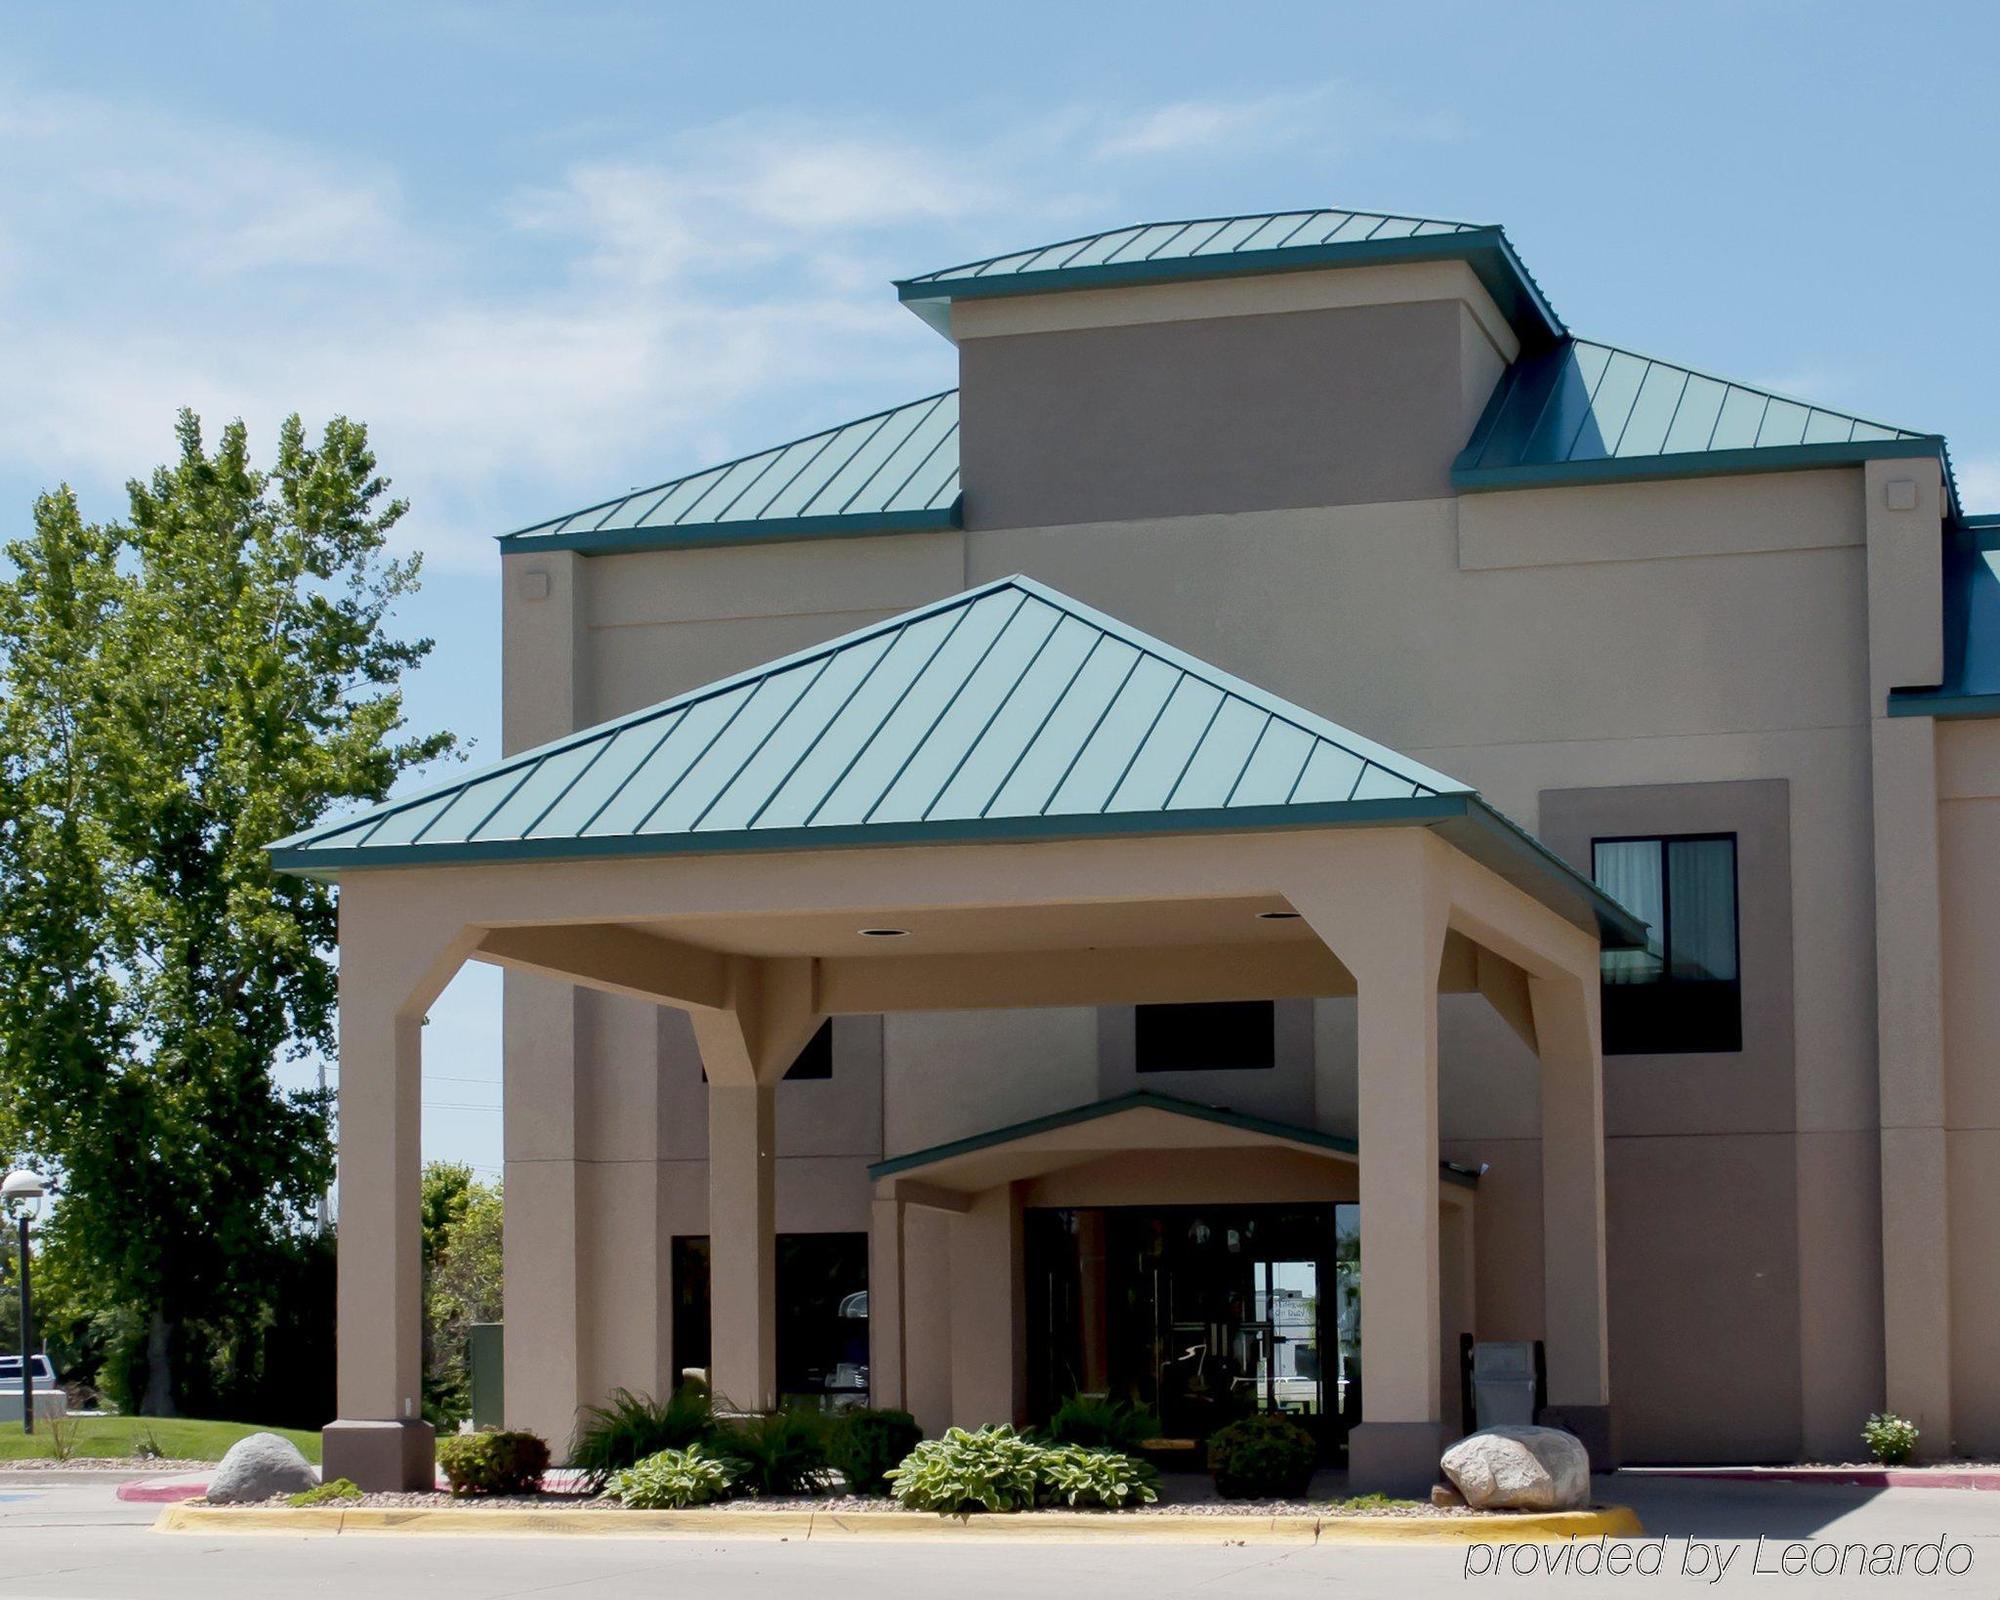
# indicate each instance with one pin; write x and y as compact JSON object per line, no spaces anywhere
{"x":69,"y":1540}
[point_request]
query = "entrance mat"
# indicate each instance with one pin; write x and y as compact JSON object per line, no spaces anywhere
{"x":1054,"y":1526}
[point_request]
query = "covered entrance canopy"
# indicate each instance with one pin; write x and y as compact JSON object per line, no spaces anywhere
{"x":1002,"y":799}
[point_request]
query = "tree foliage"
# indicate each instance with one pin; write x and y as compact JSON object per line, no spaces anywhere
{"x":177,"y":691}
{"x":462,"y":1282}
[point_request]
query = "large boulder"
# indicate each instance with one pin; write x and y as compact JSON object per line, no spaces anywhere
{"x":1517,"y":1468}
{"x":257,"y":1468}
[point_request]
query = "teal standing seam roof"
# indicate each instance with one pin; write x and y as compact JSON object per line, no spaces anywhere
{"x":1216,"y":247}
{"x":893,"y":471}
{"x":1584,"y":411}
{"x":1008,"y":712}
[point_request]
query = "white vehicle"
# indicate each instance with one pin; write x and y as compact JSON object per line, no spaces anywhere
{"x":50,"y":1401}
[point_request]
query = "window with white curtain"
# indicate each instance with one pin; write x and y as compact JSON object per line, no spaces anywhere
{"x":1683,"y":993}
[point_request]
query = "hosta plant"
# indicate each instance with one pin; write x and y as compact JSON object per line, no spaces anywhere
{"x":673,"y":1480}
{"x":1072,"y":1475}
{"x":994,"y":1469}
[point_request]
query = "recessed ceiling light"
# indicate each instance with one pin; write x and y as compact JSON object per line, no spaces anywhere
{"x":884,"y":933}
{"x":1277,"y":916}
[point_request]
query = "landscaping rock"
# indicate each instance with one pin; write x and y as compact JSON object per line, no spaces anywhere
{"x":257,"y":1468}
{"x":1515,"y":1468}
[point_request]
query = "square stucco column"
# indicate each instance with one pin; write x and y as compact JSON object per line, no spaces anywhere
{"x":1574,"y":1317}
{"x":885,"y":1303}
{"x":1383,"y":913}
{"x":380,"y":1440}
{"x":989,"y":1375}
{"x":742,"y":1244}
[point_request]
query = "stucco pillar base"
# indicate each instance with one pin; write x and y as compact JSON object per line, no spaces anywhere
{"x":1394,"y":1458}
{"x":1591,"y":1424}
{"x":391,"y":1457}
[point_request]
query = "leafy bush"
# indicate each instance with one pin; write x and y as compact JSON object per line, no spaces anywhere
{"x":782,"y":1453}
{"x":1072,"y":1475}
{"x":1102,"y":1424}
{"x":635,"y":1426}
{"x":1262,"y":1456}
{"x":325,"y":1494}
{"x":672,"y":1480}
{"x":994,"y":1469}
{"x":1891,"y":1439}
{"x":493,"y":1463}
{"x":864,"y":1445}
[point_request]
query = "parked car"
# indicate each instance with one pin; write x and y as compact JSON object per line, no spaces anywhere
{"x":43,"y":1374}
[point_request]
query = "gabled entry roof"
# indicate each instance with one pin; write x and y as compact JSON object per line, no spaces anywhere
{"x":1053,"y":1135}
{"x":1010,"y":712}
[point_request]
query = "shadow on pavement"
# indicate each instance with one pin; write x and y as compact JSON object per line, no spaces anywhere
{"x":1708,"y":1508}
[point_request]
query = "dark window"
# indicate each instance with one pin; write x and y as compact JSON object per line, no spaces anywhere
{"x":1683,"y":992}
{"x":822,"y":1312}
{"x":689,"y":1266}
{"x":816,"y":1060}
{"x":1224,"y":1036}
{"x":823,"y":1317}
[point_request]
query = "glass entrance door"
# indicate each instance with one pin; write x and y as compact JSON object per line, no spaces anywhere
{"x":1204,"y":1314}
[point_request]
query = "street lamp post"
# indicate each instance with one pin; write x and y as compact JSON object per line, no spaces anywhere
{"x":21,"y":1196}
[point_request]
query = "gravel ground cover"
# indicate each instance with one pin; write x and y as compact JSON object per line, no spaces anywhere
{"x":1195,"y":1504}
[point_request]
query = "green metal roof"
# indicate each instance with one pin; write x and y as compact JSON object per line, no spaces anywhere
{"x":1140,"y":1100}
{"x":1587,"y":412}
{"x":893,"y":472}
{"x":1219,"y":247}
{"x":1009,"y":712}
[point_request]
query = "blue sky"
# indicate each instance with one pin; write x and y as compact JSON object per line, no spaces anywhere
{"x":551,"y":252}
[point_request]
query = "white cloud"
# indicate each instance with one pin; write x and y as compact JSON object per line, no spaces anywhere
{"x":204,"y":196}
{"x":639,"y":312}
{"x":1338,"y":117}
{"x":1188,"y":125}
{"x":1979,"y":483}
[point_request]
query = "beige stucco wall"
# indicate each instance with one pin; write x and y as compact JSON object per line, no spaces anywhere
{"x":1968,"y":761}
{"x":1693,"y":633}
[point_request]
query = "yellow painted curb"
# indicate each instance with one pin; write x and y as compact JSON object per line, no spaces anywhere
{"x":1617,"y":1522}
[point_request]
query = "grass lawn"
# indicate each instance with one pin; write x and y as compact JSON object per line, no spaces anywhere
{"x":181,"y":1438}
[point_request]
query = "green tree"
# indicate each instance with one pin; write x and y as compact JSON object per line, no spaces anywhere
{"x":178,"y":692}
{"x":462,"y":1281}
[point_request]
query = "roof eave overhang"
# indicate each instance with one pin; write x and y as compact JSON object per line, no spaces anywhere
{"x":1140,"y":1100}
{"x":1485,"y":250}
{"x":1463,"y":820}
{"x":1699,"y":464}
{"x":708,"y":535}
{"x":1942,"y":703}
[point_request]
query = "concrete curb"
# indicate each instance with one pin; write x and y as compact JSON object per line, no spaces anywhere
{"x":1055,"y":1527}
